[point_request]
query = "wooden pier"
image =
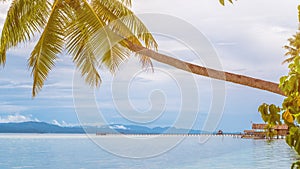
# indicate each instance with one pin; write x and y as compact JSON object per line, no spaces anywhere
{"x":170,"y":134}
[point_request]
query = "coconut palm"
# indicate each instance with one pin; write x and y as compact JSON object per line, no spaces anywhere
{"x":94,"y":33}
{"x":76,"y":26}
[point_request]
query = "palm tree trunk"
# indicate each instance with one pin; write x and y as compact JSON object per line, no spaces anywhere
{"x":203,"y":71}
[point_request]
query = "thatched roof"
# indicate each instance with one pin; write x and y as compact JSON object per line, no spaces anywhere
{"x":281,"y":127}
{"x":259,"y":126}
{"x":263,"y":126}
{"x":248,"y":131}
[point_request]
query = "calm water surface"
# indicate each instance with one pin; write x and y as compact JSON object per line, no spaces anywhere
{"x":79,"y":152}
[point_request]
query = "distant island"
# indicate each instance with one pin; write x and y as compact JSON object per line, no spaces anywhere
{"x":37,"y":127}
{"x":42,"y":127}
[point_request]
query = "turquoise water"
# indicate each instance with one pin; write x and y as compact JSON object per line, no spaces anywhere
{"x":79,"y":152}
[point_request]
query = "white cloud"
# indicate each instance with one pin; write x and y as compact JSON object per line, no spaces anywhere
{"x":118,"y":127}
{"x":55,"y":122}
{"x":16,"y":118}
{"x":63,"y":123}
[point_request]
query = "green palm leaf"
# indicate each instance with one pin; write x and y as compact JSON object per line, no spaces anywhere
{"x":292,"y":48}
{"x":82,"y":27}
{"x":113,"y":10}
{"x":115,"y":56}
{"x":94,"y":32}
{"x":86,"y":41}
{"x":49,"y":45}
{"x":126,"y":25}
{"x":126,"y":2}
{"x":24,"y":18}
{"x":90,"y":37}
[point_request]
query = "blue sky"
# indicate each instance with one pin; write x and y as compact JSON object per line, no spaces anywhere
{"x":247,"y":36}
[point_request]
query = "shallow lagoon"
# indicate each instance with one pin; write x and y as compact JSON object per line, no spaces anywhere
{"x":81,"y":152}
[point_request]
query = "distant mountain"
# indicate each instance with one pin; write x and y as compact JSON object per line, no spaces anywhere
{"x":133,"y":129}
{"x":37,"y":127}
{"x":42,"y":127}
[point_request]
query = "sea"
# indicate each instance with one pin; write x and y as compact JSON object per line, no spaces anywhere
{"x":71,"y":151}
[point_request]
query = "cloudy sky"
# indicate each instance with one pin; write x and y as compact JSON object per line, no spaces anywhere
{"x":247,"y":38}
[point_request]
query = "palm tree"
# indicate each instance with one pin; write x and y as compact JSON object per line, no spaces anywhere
{"x":94,"y":33}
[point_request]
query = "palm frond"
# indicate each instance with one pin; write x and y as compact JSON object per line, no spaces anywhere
{"x":94,"y":32}
{"x":114,"y":57}
{"x":125,"y":24}
{"x":108,"y":17}
{"x":127,"y":17}
{"x":24,"y":18}
{"x":90,"y":40}
{"x":293,"y":49}
{"x":83,"y":26}
{"x":50,"y":44}
{"x":126,"y":2}
{"x":86,"y":61}
{"x":223,"y":2}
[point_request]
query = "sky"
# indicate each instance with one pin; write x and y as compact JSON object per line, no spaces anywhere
{"x":247,"y":38}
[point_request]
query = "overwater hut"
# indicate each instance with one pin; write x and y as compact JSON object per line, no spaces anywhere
{"x":282,"y":130}
{"x":220,"y":132}
{"x":258,"y":131}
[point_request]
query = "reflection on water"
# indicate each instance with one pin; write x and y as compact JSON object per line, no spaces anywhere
{"x":78,"y":151}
